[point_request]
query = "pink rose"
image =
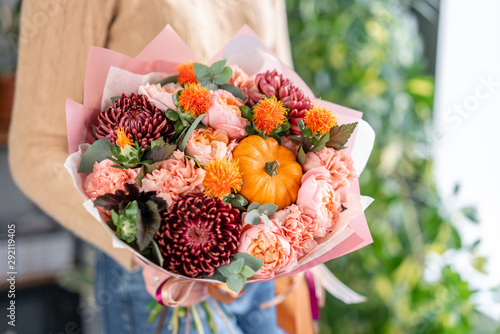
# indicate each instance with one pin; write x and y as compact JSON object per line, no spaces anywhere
{"x":297,"y":223}
{"x":206,"y":145}
{"x":161,"y":97}
{"x":176,"y":176}
{"x":242,"y":80}
{"x":271,"y":246}
{"x":319,"y":199}
{"x":105,"y":179}
{"x":225,"y":114}
{"x":338,"y":163}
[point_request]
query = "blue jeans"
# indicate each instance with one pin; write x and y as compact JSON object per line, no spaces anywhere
{"x":122,"y":299}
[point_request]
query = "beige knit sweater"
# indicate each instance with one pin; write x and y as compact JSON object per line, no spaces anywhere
{"x":54,"y":42}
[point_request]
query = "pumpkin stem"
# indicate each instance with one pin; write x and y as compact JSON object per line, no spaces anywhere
{"x":271,"y":168}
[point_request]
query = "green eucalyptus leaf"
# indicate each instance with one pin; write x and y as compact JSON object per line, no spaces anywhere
{"x":235,"y":282}
{"x":301,"y":155}
{"x":114,"y":98}
{"x":212,"y":86}
{"x":97,"y":152}
{"x":236,"y":265}
{"x":249,"y":260}
{"x":252,"y":217}
{"x":188,"y":133}
{"x":167,"y":80}
{"x":252,"y":206}
{"x":266,"y":220}
{"x":268,"y":209}
{"x":217,"y":276}
{"x":218,"y":66}
{"x":225,"y":270}
{"x":224,"y":76}
{"x":233,"y":90}
{"x":200,"y":70}
{"x":247,"y":272}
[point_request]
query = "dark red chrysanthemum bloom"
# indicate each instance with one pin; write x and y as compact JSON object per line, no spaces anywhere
{"x":139,"y":117}
{"x":272,"y":83}
{"x":198,"y":234}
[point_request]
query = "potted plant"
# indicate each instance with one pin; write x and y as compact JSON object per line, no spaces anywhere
{"x":10,"y":11}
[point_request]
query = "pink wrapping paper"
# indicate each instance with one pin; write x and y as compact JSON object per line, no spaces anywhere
{"x":161,"y":57}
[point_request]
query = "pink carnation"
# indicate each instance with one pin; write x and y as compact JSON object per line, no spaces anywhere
{"x":242,"y":80}
{"x":270,"y":245}
{"x":318,"y":198}
{"x":105,"y":179}
{"x":338,"y":163}
{"x":299,"y":228}
{"x":176,"y":176}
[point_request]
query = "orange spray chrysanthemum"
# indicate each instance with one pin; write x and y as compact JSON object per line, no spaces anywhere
{"x":268,"y":114}
{"x":222,"y":176}
{"x":122,"y":138}
{"x":186,"y":73}
{"x":319,"y":120}
{"x":195,"y":99}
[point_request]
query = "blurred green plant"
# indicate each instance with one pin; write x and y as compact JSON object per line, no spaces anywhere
{"x":367,"y":55}
{"x":10,"y":13}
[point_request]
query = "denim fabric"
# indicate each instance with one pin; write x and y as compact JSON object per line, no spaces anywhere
{"x":122,"y":299}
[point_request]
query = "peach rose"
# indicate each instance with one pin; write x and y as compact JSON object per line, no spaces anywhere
{"x":242,"y":80}
{"x":270,"y":245}
{"x":338,"y":163}
{"x":206,"y":145}
{"x":322,"y":202}
{"x":297,"y":223}
{"x":176,"y":176}
{"x":105,"y":179}
{"x":161,"y":97}
{"x":225,"y":114}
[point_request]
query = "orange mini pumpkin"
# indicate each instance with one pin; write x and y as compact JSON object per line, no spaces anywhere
{"x":271,"y":173}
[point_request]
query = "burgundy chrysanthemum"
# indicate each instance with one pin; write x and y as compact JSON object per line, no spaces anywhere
{"x":272,"y":83}
{"x":139,"y":117}
{"x":198,"y":234}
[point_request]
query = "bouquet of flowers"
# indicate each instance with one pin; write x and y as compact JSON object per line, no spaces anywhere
{"x":228,"y":172}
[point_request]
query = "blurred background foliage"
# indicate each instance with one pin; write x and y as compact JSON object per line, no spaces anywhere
{"x":368,"y":55}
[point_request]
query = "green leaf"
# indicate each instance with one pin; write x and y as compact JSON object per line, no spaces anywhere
{"x":252,"y":217}
{"x":253,"y":205}
{"x":218,"y":66}
{"x":236,"y":265}
{"x":340,"y":134}
{"x":479,"y":262}
{"x":246,"y":112}
{"x":224,"y":76}
{"x":172,"y":114}
{"x":217,"y":276}
{"x":247,"y":272}
{"x":212,"y":86}
{"x":225,"y":270}
{"x":268,"y":209}
{"x":321,"y":143}
{"x":114,"y":98}
{"x":158,"y":142}
{"x":233,"y":90}
{"x":200,"y":70}
{"x":157,"y":253}
{"x":266,"y":220}
{"x":147,"y":225}
{"x":162,"y":153}
{"x":301,"y":155}
{"x":471,"y":213}
{"x":188,"y":133}
{"x":146,"y":169}
{"x":97,"y":152}
{"x":170,"y":79}
{"x":249,"y":130}
{"x":249,"y":260}
{"x":236,"y":201}
{"x":235,"y":282}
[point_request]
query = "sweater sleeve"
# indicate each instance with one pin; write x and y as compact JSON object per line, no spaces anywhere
{"x":54,"y":41}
